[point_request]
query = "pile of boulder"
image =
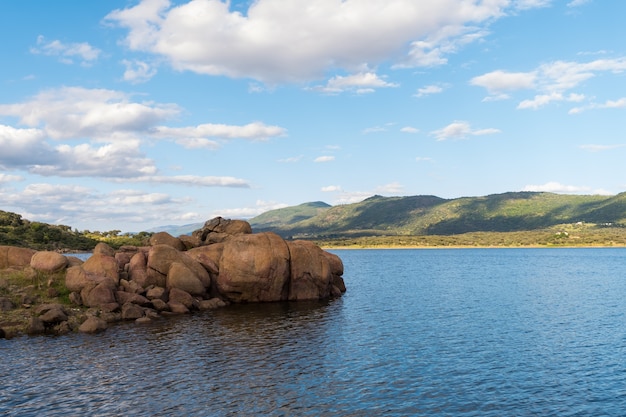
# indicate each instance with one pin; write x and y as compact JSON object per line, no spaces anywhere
{"x":221,"y":263}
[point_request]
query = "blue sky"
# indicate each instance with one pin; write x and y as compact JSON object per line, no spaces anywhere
{"x":133,"y":114}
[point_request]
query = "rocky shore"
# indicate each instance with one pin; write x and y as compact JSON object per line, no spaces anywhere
{"x":43,"y":292}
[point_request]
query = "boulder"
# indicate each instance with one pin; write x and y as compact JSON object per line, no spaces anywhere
{"x":183,"y":297}
{"x":310,"y":272}
{"x":137,"y":270}
{"x":48,"y":262}
{"x":124,"y":297}
{"x":211,"y":304}
{"x":181,"y":277}
{"x":99,"y":294}
{"x":177,"y":307}
{"x":160,"y":305}
{"x":155,"y":292}
{"x":51,"y":314}
{"x":93,"y":325}
{"x":254,"y":268}
{"x":103,"y":249}
{"x":74,"y":261}
{"x":76,"y":279}
{"x":160,"y":259}
{"x":164,"y":238}
{"x":102,"y":265}
{"x":131,"y":311}
{"x":190,"y":242}
{"x":13,"y":257}
{"x":219,"y":229}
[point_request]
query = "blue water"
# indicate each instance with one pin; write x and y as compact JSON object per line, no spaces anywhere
{"x":448,"y":332}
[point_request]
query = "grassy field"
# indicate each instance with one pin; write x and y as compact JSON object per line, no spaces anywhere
{"x":558,"y":236}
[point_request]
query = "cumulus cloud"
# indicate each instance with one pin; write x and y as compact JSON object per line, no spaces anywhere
{"x":552,"y":80}
{"x":556,"y":187}
{"x":98,"y":114}
{"x":255,"y":130}
{"x":325,"y":158}
{"x":274,"y":41}
{"x":409,"y":129}
{"x":67,"y":52}
{"x":81,"y":206}
{"x":10,"y":178}
{"x":138,"y":71}
{"x":360,"y":83}
{"x":461,"y":130}
{"x":428,"y":90}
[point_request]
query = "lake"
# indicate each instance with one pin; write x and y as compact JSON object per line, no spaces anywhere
{"x":451,"y":332}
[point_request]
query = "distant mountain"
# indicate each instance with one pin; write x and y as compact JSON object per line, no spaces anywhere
{"x":177,"y":230}
{"x":431,"y":215}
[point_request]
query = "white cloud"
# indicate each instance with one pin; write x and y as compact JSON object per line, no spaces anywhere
{"x":274,"y":41}
{"x":325,"y":158}
{"x":428,"y":90}
{"x":498,"y":82}
{"x":409,"y":129}
{"x":423,"y":159}
{"x":190,"y":180}
{"x":460,"y":130}
{"x":10,"y":178}
{"x":331,"y":189}
{"x":556,"y":187}
{"x":391,"y":188}
{"x":552,"y":80}
{"x":609,"y":104}
{"x":361,"y":83}
{"x":248,"y":212}
{"x":67,"y":52}
{"x":255,"y":130}
{"x":576,"y":3}
{"x":138,"y":71}
{"x":99,"y":114}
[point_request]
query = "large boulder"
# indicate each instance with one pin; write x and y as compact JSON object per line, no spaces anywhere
{"x":48,"y":262}
{"x":164,"y":238}
{"x":103,"y":249}
{"x":103,"y":265}
{"x":254,"y":268}
{"x":13,"y":257}
{"x":181,"y":277}
{"x":219,"y":229}
{"x":93,"y":325}
{"x":311,"y":276}
{"x":161,"y":258}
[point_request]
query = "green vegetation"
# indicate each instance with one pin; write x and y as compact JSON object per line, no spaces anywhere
{"x":15,"y":231}
{"x":420,"y":216}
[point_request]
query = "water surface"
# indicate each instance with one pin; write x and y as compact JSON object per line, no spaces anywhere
{"x":453,"y":332}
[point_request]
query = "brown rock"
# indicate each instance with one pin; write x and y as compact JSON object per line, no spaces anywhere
{"x":102,"y":265}
{"x":164,"y":238}
{"x":155,"y":292}
{"x":208,"y":256}
{"x":183,"y":297}
{"x":160,"y":259}
{"x":93,"y":325}
{"x":104,"y":249}
{"x":160,"y":305}
{"x":51,"y":313}
{"x":36,"y":326}
{"x":98,"y":294}
{"x":48,"y":262}
{"x":211,"y":304}
{"x":181,"y":277}
{"x":15,"y":257}
{"x":76,"y":278}
{"x":254,"y":268}
{"x":124,"y":297}
{"x":310,"y":272}
{"x":177,"y":308}
{"x":190,"y":242}
{"x":131,"y":311}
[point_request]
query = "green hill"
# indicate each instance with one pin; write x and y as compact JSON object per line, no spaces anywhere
{"x":430,"y":215}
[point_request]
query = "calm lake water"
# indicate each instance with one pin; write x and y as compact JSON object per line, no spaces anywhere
{"x":451,"y":332}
